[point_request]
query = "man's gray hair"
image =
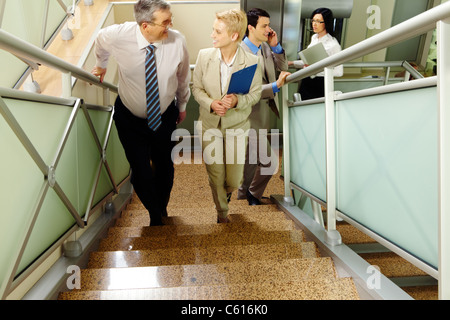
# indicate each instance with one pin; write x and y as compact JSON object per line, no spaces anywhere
{"x":144,"y":10}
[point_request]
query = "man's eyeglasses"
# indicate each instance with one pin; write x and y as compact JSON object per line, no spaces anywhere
{"x":165,"y":24}
{"x":317,"y":22}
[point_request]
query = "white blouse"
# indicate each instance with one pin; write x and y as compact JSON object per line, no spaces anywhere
{"x":225,"y":72}
{"x":332,"y":46}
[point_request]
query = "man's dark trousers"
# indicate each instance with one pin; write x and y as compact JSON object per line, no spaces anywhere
{"x":150,"y":156}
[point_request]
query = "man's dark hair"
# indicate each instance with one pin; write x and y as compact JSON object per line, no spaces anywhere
{"x":253,"y":16}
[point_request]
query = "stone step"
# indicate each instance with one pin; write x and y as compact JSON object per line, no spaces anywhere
{"x":187,"y":212}
{"x":235,"y":238}
{"x":136,"y":220}
{"x":199,"y":206}
{"x":423,"y":292}
{"x":142,"y":218}
{"x":391,"y":265}
{"x":314,"y":289}
{"x":177,"y":229}
{"x":207,"y":274}
{"x":351,"y":235}
{"x":209,"y":255}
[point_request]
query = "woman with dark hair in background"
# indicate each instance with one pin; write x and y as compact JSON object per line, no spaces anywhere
{"x":322,"y":22}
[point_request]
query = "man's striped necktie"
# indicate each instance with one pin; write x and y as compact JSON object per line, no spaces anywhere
{"x":152,"y":90}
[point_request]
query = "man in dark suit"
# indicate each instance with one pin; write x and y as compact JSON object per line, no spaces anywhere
{"x":262,"y":41}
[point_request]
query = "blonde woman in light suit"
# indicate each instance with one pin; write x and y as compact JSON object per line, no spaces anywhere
{"x":223,"y":120}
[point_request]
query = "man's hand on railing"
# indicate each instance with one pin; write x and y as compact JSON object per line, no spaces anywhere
{"x":99,"y":72}
{"x":282,"y":78}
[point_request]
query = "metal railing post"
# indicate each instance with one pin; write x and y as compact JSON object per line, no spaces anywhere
{"x":106,"y":97}
{"x":386,"y":77}
{"x":66,"y":84}
{"x":443,"y":74}
{"x":286,"y":161}
{"x":2,"y":10}
{"x":333,"y":237}
{"x":44,"y":22}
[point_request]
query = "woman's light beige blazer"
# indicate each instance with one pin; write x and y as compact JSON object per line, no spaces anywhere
{"x":207,"y":87}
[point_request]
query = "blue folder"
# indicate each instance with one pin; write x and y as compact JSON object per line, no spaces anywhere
{"x":242,"y":80}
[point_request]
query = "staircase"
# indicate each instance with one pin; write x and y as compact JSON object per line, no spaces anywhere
{"x":259,"y":255}
{"x":415,"y":282}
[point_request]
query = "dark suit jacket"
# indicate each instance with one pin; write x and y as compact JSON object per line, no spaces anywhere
{"x":273,"y":63}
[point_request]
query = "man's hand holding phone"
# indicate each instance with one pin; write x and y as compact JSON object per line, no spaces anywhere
{"x":272,"y":38}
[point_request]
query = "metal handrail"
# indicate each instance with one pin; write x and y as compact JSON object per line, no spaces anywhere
{"x":25,"y":50}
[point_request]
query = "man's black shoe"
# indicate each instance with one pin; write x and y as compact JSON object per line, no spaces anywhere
{"x":252,"y":200}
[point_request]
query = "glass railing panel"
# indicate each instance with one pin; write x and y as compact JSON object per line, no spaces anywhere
{"x":53,"y":221}
{"x":12,"y":69}
{"x":100,"y":121}
{"x":349,"y":85}
{"x":28,"y":20}
{"x":307,"y":148}
{"x":76,"y":171}
{"x":104,"y":185}
{"x":21,"y":183}
{"x":25,"y":19}
{"x":88,"y":158}
{"x":387,"y":167}
{"x":44,"y":125}
{"x":115,"y":155}
{"x":56,"y":15}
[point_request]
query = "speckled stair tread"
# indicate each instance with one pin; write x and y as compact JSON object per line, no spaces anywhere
{"x":144,"y":220}
{"x":318,"y":289}
{"x":197,"y":218}
{"x":392,"y":265}
{"x":235,"y":238}
{"x":241,"y":207}
{"x":260,"y":254}
{"x":263,"y":225}
{"x":209,"y":255}
{"x":286,"y":270}
{"x":201,"y":212}
{"x":423,"y":292}
{"x":351,"y":235}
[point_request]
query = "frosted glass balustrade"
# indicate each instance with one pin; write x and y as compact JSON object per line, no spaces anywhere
{"x":22,"y":181}
{"x":386,"y":164}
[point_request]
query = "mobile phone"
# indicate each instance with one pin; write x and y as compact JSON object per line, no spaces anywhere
{"x":270,"y":33}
